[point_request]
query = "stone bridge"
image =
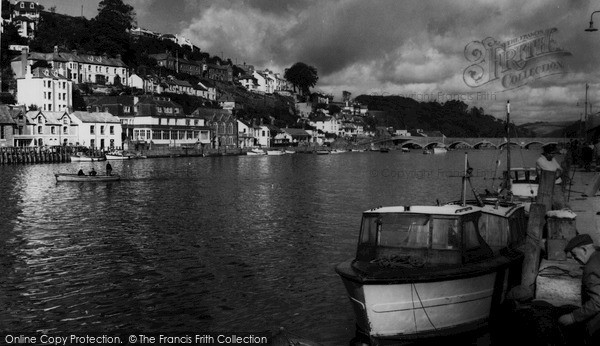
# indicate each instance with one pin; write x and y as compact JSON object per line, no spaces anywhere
{"x":459,"y":142}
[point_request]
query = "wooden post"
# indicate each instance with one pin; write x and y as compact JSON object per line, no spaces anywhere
{"x":531,"y":249}
{"x":546,"y":189}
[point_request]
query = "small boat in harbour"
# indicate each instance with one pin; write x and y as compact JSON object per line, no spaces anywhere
{"x":83,"y":178}
{"x":85,"y":158}
{"x":323,"y":152}
{"x":275,"y":152}
{"x":256,"y":152}
{"x":117,"y":157}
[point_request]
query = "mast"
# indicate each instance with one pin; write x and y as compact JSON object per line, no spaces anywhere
{"x":464,"y":182}
{"x":507,"y":177}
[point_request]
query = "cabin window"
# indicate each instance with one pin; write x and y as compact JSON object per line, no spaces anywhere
{"x":445,"y":234}
{"x":475,"y":247}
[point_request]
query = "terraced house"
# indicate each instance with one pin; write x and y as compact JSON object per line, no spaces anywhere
{"x":78,"y":68}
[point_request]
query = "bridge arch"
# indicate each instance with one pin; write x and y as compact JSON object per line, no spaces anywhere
{"x":456,"y":144}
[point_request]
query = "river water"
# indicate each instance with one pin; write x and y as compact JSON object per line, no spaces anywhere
{"x":214,"y":244}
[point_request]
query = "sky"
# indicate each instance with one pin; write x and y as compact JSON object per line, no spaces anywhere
{"x":535,"y":54}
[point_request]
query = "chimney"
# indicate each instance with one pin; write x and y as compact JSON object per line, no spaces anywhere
{"x":55,"y":49}
{"x":23,"y":61}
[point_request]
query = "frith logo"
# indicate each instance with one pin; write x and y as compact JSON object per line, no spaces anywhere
{"x":515,"y":62}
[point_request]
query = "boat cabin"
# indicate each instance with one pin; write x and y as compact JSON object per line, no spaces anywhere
{"x":524,"y":183}
{"x":427,"y":236}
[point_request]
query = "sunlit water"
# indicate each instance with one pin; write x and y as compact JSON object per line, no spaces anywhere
{"x":182,"y":245}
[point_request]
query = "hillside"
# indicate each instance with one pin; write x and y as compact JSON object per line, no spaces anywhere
{"x":452,"y":118}
{"x":553,"y":129}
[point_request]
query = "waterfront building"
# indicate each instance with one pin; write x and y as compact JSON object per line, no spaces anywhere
{"x":223,"y":125}
{"x":98,"y":130}
{"x":152,"y":120}
{"x":78,"y":68}
{"x":245,"y":135}
{"x":292,"y":137}
{"x":262,"y":133}
{"x":48,"y":128}
{"x":45,"y":88}
{"x":7,"y":126}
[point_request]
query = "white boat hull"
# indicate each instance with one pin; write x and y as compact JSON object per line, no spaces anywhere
{"x":117,"y":157}
{"x":86,"y":159}
{"x":424,"y":309}
{"x":275,"y":152}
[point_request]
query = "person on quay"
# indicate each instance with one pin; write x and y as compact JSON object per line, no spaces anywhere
{"x":80,"y":172}
{"x":585,"y":320}
{"x":547,"y":162}
{"x":108,"y":168}
{"x":93,"y":172}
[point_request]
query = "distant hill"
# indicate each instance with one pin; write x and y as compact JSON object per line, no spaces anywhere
{"x":453,"y":118}
{"x":553,"y":129}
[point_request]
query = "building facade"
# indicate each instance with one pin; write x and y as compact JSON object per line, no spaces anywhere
{"x":98,"y":130}
{"x":45,"y":88}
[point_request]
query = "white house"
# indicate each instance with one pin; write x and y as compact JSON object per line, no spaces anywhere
{"x":99,"y":130}
{"x":262,"y":133}
{"x":51,"y":128}
{"x":326,"y":124}
{"x":45,"y":88}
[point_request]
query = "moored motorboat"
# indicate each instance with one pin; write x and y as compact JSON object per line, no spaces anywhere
{"x":256,"y":152}
{"x":117,"y":157}
{"x":323,"y":152}
{"x":275,"y":152}
{"x":85,"y":158}
{"x":82,"y":178}
{"x":429,"y":271}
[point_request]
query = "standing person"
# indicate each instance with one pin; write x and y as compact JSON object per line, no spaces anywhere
{"x":547,"y":162}
{"x":108,"y":169}
{"x":587,"y":316}
{"x":587,"y":153}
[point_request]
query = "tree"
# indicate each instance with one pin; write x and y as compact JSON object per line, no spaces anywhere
{"x":302,"y":76}
{"x":111,"y":24}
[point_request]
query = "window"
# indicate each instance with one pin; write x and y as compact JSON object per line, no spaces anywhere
{"x":92,"y":129}
{"x":230,"y":129}
{"x":187,"y":122}
{"x":53,"y":130}
{"x":65,"y":130}
{"x":40,"y":130}
{"x":39,"y":120}
{"x":101,"y":129}
{"x":1,"y":132}
{"x":111,"y":130}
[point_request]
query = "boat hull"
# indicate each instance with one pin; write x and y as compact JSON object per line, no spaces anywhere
{"x":86,"y":159}
{"x":421,"y":306}
{"x":117,"y":157}
{"x":85,"y":178}
{"x":275,"y":152}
